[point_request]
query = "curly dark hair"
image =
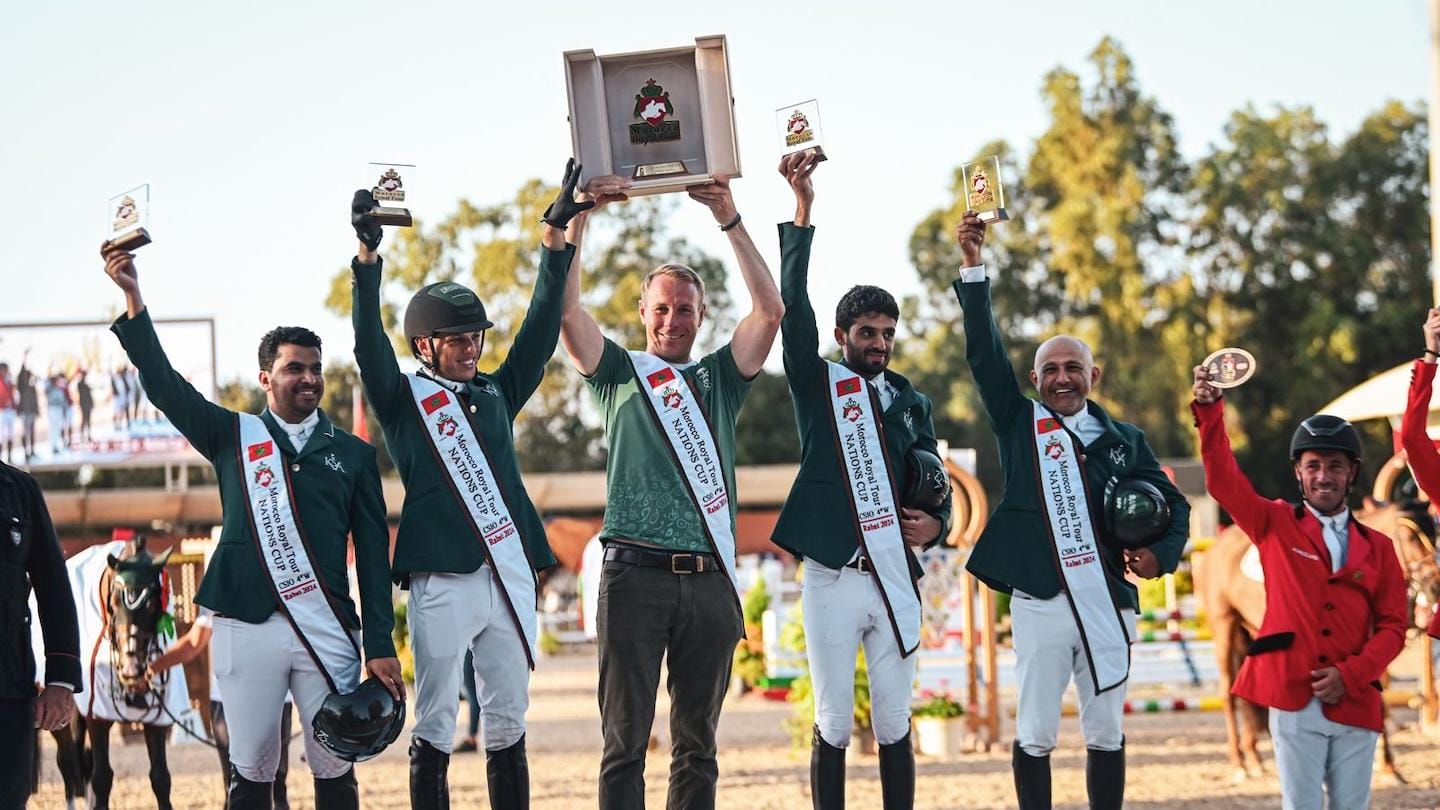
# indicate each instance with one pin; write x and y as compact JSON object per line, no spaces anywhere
{"x":294,"y":335}
{"x":862,"y":299}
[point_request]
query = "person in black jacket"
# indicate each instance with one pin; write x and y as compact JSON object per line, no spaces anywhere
{"x":30,"y":556}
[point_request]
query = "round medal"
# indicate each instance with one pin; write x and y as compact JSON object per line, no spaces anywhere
{"x":1230,"y":367}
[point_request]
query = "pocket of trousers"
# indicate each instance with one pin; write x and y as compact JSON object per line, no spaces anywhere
{"x":222,"y":645}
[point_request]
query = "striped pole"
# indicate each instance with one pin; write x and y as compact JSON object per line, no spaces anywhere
{"x":1145,"y":636}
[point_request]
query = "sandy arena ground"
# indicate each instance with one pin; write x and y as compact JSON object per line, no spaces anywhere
{"x":1176,"y":761}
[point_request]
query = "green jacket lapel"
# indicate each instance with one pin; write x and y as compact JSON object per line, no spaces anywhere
{"x":320,"y":438}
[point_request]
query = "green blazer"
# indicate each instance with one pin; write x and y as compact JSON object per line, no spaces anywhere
{"x":1015,"y":550}
{"x":813,"y":523}
{"x":436,"y":534}
{"x":334,"y":481}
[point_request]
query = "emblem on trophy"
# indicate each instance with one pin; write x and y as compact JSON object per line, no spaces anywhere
{"x":127,"y":217}
{"x":388,"y":190}
{"x":984,"y":193}
{"x":652,"y":105}
{"x":800,"y":129}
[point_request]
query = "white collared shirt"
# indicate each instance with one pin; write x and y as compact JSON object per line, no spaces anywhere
{"x":299,"y":434}
{"x":1084,"y":425}
{"x":1336,"y":531}
{"x":884,"y":389}
{"x":972,"y":275}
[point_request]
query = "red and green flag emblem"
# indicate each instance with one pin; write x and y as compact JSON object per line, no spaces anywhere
{"x":659,"y":378}
{"x":261,"y":450}
{"x":434,"y":402}
{"x":1047,"y":425}
{"x":850,"y":386}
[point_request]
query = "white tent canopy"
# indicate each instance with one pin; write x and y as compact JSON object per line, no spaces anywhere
{"x":1380,"y":397}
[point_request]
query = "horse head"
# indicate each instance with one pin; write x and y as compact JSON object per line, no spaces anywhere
{"x":135,"y":600}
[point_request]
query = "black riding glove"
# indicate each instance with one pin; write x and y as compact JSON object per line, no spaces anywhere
{"x":366,"y":227}
{"x":565,"y":207}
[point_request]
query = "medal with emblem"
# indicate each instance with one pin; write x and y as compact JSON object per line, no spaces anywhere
{"x":653,"y":107}
{"x":389,"y":192}
{"x":1230,"y":368}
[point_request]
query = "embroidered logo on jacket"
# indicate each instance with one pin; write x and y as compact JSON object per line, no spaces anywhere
{"x":1117,"y":455}
{"x":333,"y":462}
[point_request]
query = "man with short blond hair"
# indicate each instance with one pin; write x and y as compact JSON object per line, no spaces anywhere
{"x":667,"y":587}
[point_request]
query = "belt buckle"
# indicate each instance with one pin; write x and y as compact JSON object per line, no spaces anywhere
{"x":863,"y":564}
{"x":691,"y":557}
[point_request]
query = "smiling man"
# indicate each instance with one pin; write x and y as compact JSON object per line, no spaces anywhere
{"x":667,"y":587}
{"x":847,"y":515}
{"x":283,"y":616}
{"x":1336,"y":607}
{"x":470,"y":540}
{"x":1047,"y":544}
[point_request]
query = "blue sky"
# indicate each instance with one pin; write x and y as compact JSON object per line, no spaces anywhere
{"x":253,"y":122}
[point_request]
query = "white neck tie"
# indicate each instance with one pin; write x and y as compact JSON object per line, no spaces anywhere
{"x":1335,"y":540}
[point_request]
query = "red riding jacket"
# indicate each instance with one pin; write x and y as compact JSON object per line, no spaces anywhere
{"x":1353,"y":619}
{"x":1419,"y":449}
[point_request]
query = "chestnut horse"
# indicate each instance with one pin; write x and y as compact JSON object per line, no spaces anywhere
{"x":1234,"y":605}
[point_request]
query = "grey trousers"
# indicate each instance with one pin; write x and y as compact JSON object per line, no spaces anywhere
{"x":692,"y":620}
{"x":1316,"y":755}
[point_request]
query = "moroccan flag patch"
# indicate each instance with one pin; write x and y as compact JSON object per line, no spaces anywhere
{"x":1047,"y":425}
{"x":850,"y":386}
{"x":661,"y":377}
{"x":261,"y":450}
{"x":434,"y":402}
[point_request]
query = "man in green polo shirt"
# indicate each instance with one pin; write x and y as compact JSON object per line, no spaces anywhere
{"x":667,"y":586}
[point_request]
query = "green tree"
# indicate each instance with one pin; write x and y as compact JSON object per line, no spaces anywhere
{"x":1306,"y":251}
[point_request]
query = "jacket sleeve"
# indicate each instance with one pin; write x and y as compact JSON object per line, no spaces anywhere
{"x":799,"y":338}
{"x":379,"y":373}
{"x":534,"y":344}
{"x":926,"y":441}
{"x":1223,"y":478}
{"x":53,"y":596}
{"x":994,"y":375}
{"x":209,"y":427}
{"x":371,"y":536}
{"x":1420,"y":451}
{"x":1170,"y":547}
{"x":1388,"y":605}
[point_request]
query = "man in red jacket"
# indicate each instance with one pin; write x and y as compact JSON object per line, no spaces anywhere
{"x":1420,"y":451}
{"x":1335,"y":615}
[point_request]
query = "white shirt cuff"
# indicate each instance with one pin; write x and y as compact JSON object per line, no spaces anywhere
{"x":972,"y":275}
{"x":71,"y":687}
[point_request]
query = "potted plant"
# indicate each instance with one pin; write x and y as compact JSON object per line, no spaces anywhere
{"x":939,"y":723}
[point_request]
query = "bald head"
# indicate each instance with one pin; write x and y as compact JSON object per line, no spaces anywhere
{"x":1063,"y":345}
{"x":1064,"y":373}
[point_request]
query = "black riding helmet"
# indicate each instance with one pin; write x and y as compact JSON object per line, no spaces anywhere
{"x":359,"y":725}
{"x":1325,"y":432}
{"x":927,"y":483}
{"x":443,"y":308}
{"x":1136,"y":513}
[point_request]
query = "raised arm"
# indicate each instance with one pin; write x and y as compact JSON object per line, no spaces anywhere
{"x":755,"y":333}
{"x":534,"y":342}
{"x":984,"y":350}
{"x":578,"y":331}
{"x":1420,"y":451}
{"x":379,"y":372}
{"x":799,"y":335}
{"x":1223,"y":478}
{"x":206,"y":425}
